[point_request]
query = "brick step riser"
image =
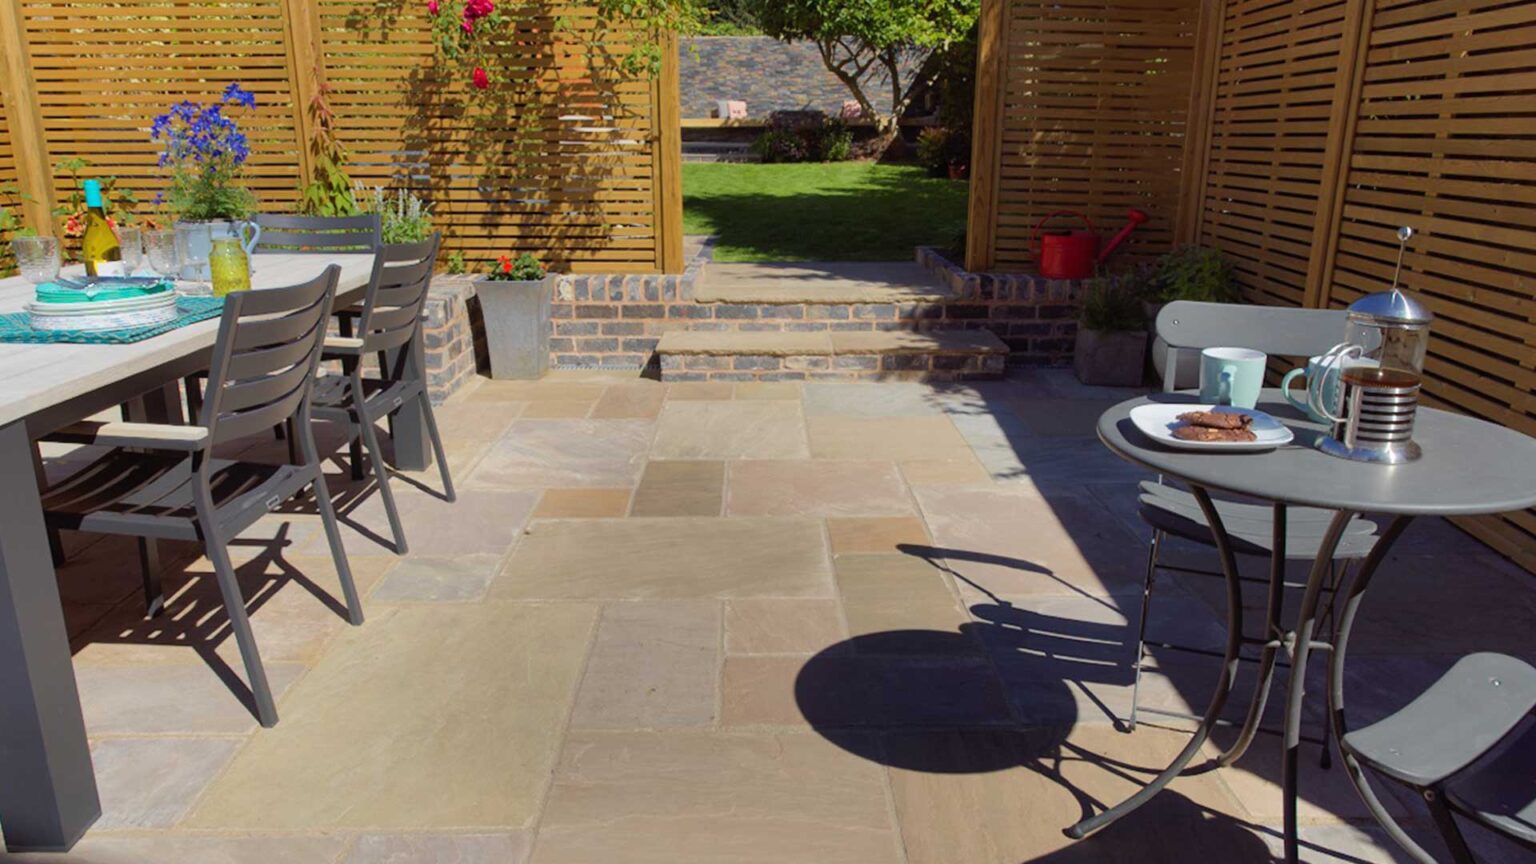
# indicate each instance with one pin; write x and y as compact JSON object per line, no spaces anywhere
{"x":818,"y":367}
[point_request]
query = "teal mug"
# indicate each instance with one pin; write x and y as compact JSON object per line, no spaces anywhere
{"x":1321,"y":376}
{"x":1232,"y":376}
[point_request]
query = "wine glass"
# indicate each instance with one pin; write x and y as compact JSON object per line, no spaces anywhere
{"x":37,"y":257}
{"x":161,"y":248}
{"x":131,"y":242}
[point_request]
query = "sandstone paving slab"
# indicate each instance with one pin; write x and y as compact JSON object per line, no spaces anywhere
{"x":776,"y":390}
{"x":582,"y":503}
{"x":775,"y":626}
{"x":893,"y":593}
{"x":1005,"y":796}
{"x":814,"y":488}
{"x":708,"y":391}
{"x":1061,"y":418}
{"x":430,"y":717}
{"x":635,"y":400}
{"x":963,"y":470}
{"x":893,"y":438}
{"x":476,"y":419}
{"x":680,"y":488}
{"x":173,"y":698}
{"x":482,"y":521}
{"x":875,"y":534}
{"x":882,"y":399}
{"x":555,"y":388}
{"x":565,"y":453}
{"x":501,"y":848}
{"x":1011,"y":451}
{"x":654,"y":665}
{"x":152,"y":782}
{"x":421,"y":579}
{"x":558,"y":409}
{"x":1368,"y":844}
{"x":730,"y":430}
{"x":1017,"y":542}
{"x":99,"y":848}
{"x":668,"y":558}
{"x":833,"y":690}
{"x":683,"y":797}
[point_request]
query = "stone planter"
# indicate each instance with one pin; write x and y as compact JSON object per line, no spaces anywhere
{"x":516,"y":316}
{"x":1110,"y":358}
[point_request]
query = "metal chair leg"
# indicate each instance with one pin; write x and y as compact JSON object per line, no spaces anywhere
{"x":149,"y":569}
{"x":234,"y":607}
{"x":438,"y":452}
{"x":381,"y":474}
{"x":338,"y":552}
{"x":1141,"y":626}
{"x":1446,"y":823}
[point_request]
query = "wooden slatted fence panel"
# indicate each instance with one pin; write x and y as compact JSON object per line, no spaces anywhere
{"x":580,"y":190}
{"x":105,"y":70}
{"x":8,"y":187}
{"x":1274,"y":93}
{"x":1445,"y":141}
{"x":1094,"y":105}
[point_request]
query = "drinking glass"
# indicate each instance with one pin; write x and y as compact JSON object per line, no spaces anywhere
{"x":131,"y":242}
{"x":161,"y":247}
{"x":37,"y":257}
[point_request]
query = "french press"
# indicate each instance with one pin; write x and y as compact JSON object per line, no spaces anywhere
{"x":1380,"y":369}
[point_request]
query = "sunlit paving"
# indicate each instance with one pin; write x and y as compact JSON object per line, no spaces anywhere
{"x":815,"y":432}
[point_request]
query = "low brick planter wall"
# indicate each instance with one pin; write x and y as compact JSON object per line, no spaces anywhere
{"x":449,"y":335}
{"x":1034,"y":316}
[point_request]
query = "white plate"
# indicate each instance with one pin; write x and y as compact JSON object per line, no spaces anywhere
{"x":1157,"y":421}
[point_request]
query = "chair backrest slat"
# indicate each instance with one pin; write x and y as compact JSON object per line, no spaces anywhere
{"x":1280,"y":331}
{"x":265,"y":358}
{"x":281,"y":232}
{"x":392,"y":309}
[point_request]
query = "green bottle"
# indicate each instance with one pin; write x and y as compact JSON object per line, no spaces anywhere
{"x":99,"y":244}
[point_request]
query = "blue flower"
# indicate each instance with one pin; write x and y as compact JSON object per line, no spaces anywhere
{"x":240,"y":96}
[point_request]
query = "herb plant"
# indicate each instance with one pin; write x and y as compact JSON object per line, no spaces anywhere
{"x":1109,"y":305}
{"x":405,"y":217}
{"x":1194,"y":273}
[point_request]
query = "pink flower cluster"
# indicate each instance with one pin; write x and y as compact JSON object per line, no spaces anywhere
{"x":474,"y":10}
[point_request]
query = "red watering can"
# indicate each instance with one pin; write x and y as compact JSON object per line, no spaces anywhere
{"x":1074,"y":254}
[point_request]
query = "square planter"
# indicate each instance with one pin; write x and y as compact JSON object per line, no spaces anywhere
{"x":516,"y":316}
{"x":1109,"y":358}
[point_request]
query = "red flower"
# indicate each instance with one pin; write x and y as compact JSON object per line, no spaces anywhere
{"x":506,"y":263}
{"x":73,"y":227}
{"x":432,"y":6}
{"x":482,"y":80}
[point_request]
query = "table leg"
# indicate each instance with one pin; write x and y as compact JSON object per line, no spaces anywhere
{"x":1223,"y":686}
{"x":1306,"y":621}
{"x":1274,"y":639}
{"x":47,"y":786}
{"x":1346,"y":621}
{"x":408,"y":426}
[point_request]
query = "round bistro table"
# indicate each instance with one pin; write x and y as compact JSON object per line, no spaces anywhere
{"x":1469,"y":467}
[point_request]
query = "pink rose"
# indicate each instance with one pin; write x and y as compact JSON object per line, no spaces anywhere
{"x":432,"y":6}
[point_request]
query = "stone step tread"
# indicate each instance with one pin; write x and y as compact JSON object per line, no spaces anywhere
{"x":789,"y":344}
{"x":819,"y":283}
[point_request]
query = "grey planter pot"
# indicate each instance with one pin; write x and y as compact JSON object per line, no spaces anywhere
{"x":516,"y":316}
{"x":1110,"y":358}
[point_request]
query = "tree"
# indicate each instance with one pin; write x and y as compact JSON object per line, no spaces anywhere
{"x":859,"y":39}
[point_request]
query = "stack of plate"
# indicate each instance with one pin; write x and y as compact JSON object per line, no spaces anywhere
{"x":144,"y":310}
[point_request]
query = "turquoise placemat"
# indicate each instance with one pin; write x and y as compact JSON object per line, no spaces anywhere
{"x":17,"y":326}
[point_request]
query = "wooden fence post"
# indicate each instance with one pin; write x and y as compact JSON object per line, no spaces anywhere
{"x":987,"y":135}
{"x":1202,"y":115}
{"x":1358,"y":20}
{"x":18,"y":88}
{"x":666,"y":117}
{"x":304,"y":73}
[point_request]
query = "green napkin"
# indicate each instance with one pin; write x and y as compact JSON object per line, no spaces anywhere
{"x":52,"y":293}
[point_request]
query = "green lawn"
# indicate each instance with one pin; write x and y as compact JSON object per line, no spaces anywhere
{"x":837,"y":211}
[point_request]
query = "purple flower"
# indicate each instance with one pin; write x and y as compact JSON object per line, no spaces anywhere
{"x":240,"y":96}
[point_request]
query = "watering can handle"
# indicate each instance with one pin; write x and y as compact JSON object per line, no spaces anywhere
{"x":1034,"y":238}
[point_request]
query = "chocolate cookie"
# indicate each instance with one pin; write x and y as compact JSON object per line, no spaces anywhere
{"x":1207,"y":433}
{"x":1217,"y":419}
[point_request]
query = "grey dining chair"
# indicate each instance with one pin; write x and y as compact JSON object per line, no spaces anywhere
{"x":387,"y":325}
{"x":1172,"y":511}
{"x":162,"y":481}
{"x":334,"y":235}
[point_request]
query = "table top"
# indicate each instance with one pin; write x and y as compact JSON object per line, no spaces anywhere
{"x":36,"y":377}
{"x":1469,"y":466}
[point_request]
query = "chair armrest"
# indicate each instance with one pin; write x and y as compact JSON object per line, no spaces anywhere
{"x":349,"y":345}
{"x":150,"y":436}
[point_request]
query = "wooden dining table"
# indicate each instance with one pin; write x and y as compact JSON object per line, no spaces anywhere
{"x":48,"y":794}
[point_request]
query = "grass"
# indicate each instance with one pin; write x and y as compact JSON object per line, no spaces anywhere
{"x":835,"y":211}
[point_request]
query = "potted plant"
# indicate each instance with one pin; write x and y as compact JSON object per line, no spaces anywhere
{"x":403,"y":216}
{"x":1111,"y":336}
{"x":205,"y":153}
{"x":514,"y":304}
{"x":1187,"y":273}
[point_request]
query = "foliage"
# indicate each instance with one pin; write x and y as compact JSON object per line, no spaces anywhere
{"x":731,"y":18}
{"x":457,"y":266}
{"x":832,"y":211}
{"x":119,"y":200}
{"x":781,"y":145}
{"x":1193,"y":273}
{"x":10,"y":222}
{"x":404,"y":216}
{"x":804,"y":136}
{"x":939,"y":148}
{"x":206,"y":152}
{"x":523,"y":268}
{"x":836,"y":142}
{"x":328,"y":191}
{"x":867,"y":44}
{"x":1112,"y":304}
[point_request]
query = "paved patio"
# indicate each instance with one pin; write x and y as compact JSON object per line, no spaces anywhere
{"x":714,"y":622}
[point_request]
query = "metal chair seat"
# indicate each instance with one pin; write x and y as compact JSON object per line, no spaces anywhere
{"x":333,"y":399}
{"x":150,"y":494}
{"x":1473,"y":706}
{"x":1250,"y":526}
{"x":1502,"y":794}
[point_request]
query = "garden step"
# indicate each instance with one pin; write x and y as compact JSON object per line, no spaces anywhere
{"x":828,"y":283}
{"x":734,"y":355}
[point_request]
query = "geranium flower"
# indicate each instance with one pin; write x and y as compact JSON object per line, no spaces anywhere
{"x":506,"y":263}
{"x":481,"y":79}
{"x":72,"y":227}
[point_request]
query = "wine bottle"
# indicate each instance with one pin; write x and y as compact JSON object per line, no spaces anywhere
{"x":99,"y":245}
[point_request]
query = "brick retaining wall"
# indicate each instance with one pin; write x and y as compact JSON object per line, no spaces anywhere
{"x":1036,"y":317}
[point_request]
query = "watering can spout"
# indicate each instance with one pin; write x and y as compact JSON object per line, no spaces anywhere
{"x":1134,"y":218}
